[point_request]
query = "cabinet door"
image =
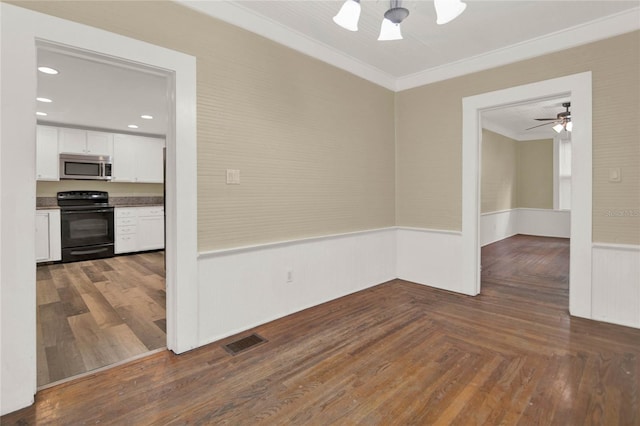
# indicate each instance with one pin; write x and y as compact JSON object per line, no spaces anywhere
{"x":55,"y":237}
{"x":73,"y":141}
{"x":151,"y":164}
{"x":150,"y":233}
{"x":124,"y":159}
{"x":99,"y":143}
{"x":42,"y":236}
{"x":47,"y":162}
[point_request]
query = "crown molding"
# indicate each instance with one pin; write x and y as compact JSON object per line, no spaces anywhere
{"x":238,"y":15}
{"x":599,"y":29}
{"x":234,"y":13}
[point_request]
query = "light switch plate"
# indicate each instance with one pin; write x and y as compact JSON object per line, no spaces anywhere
{"x":614,"y":175}
{"x":233,"y":177}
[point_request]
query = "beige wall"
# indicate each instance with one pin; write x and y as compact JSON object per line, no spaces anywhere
{"x":515,"y":174}
{"x":499,"y":181}
{"x":429,"y":121}
{"x":115,"y":189}
{"x":314,"y":144}
{"x":535,"y":174}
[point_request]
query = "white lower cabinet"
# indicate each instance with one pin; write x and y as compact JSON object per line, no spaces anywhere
{"x":139,"y":229}
{"x":48,"y":244}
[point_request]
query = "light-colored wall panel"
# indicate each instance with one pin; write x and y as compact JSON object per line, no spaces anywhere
{"x":429,"y":136}
{"x":535,"y":174}
{"x":616,"y":284}
{"x":242,"y":288}
{"x":314,"y":144}
{"x":499,"y":181}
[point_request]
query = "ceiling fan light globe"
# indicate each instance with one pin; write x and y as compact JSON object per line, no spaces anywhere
{"x":448,"y":10}
{"x":389,"y":31}
{"x":348,"y":15}
{"x":558,"y":127}
{"x":569,"y":126}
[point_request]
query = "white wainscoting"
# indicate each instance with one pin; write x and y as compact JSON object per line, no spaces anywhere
{"x":496,"y":226}
{"x":242,"y":288}
{"x":616,"y":284}
{"x":544,"y":222}
{"x":431,"y":257}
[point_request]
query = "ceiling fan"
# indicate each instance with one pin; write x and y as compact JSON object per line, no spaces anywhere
{"x":562,"y":120}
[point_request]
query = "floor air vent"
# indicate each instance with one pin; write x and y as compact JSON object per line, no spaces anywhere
{"x":244,"y":344}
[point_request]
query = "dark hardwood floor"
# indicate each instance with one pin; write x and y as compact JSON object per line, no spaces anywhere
{"x":96,"y":313}
{"x":395,"y":354}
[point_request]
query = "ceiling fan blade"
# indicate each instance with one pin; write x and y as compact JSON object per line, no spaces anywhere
{"x":545,"y":119}
{"x":539,"y":125}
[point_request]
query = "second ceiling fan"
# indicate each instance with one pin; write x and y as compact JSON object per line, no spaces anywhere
{"x":562,"y":120}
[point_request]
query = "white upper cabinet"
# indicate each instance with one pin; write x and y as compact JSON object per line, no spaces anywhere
{"x":77,"y":141}
{"x":99,"y":143}
{"x":138,"y":159}
{"x":134,"y":158}
{"x":47,"y":163}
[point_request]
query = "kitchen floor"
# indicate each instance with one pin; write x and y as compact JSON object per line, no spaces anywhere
{"x":98,"y":312}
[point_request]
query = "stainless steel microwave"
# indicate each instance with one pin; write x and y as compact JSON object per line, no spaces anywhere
{"x":89,"y":167}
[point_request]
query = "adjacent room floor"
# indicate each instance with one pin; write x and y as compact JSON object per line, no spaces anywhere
{"x":98,"y":312}
{"x":397,"y":353}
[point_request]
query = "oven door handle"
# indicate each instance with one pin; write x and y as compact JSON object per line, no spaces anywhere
{"x":92,"y":251}
{"x":86,"y":211}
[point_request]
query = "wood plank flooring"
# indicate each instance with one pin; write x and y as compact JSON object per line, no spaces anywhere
{"x":395,"y":354}
{"x":98,"y":312}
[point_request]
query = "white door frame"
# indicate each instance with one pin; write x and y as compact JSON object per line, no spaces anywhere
{"x":21,"y":29}
{"x":578,"y":87}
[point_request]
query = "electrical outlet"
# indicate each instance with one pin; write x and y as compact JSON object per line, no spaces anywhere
{"x":289,"y":275}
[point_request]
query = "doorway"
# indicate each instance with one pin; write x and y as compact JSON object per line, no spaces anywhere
{"x":95,"y":311}
{"x":25,"y":29}
{"x":578,"y":87}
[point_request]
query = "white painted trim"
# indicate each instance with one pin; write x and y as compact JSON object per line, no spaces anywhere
{"x":616,"y":284}
{"x":609,"y":246}
{"x":255,"y":278}
{"x":578,"y":86}
{"x":429,"y":230}
{"x":599,"y":29}
{"x":236,"y":14}
{"x":233,"y":250}
{"x":21,"y":29}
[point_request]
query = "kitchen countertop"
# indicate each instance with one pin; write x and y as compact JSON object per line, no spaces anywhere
{"x":43,"y":203}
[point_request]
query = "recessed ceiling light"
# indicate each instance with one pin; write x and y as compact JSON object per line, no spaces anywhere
{"x":41,"y":114}
{"x":48,"y":70}
{"x":132,"y":126}
{"x":46,"y":100}
{"x":147,"y":117}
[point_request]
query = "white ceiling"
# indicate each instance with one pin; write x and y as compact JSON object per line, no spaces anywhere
{"x":92,"y":93}
{"x":488,"y":33}
{"x":514,"y":120}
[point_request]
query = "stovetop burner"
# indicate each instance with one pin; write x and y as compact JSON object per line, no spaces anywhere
{"x":83,"y":199}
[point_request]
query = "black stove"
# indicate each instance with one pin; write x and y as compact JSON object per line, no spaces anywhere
{"x":87,"y":225}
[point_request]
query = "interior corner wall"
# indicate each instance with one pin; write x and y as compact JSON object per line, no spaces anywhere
{"x":429,"y":136}
{"x":499,"y":181}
